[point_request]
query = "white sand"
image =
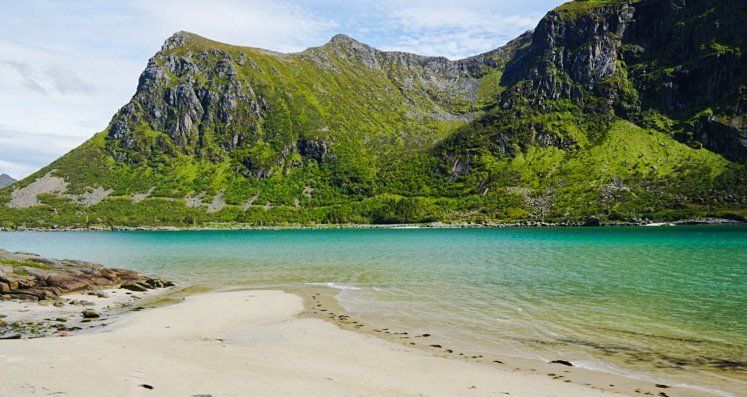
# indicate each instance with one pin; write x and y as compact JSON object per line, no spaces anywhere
{"x":113,"y":298}
{"x":247,"y":343}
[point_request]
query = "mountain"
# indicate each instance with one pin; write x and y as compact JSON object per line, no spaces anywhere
{"x":6,"y":180}
{"x":622,"y":110}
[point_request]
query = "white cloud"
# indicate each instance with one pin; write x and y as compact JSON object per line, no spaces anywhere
{"x":72,"y":95}
{"x":450,"y":29}
{"x":274,"y":25}
{"x":452,"y":17}
{"x":67,"y":81}
{"x":24,"y":152}
{"x":46,"y":79}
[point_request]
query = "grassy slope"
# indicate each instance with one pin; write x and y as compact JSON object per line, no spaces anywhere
{"x":643,"y":173}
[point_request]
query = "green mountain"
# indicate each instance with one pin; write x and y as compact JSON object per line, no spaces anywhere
{"x":619,"y":109}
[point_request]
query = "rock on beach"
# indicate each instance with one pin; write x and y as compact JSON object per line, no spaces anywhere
{"x":32,"y":277}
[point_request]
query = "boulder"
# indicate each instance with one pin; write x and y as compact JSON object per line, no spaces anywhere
{"x":66,"y":282}
{"x":31,"y":277}
{"x":11,"y":280}
{"x":134,"y":286}
{"x":22,"y":295}
{"x":128,"y":275}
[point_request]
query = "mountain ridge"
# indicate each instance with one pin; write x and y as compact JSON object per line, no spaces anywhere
{"x":575,"y":118}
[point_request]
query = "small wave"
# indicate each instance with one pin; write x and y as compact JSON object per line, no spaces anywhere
{"x":335,"y":286}
{"x":599,"y":366}
{"x":603,"y":367}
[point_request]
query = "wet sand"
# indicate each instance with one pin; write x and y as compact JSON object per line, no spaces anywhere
{"x":320,"y":302}
{"x":254,"y":343}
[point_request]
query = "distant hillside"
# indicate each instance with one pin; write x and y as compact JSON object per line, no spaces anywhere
{"x":624,"y":110}
{"x":6,"y":180}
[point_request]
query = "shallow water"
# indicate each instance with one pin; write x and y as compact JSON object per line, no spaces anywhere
{"x":665,"y":302}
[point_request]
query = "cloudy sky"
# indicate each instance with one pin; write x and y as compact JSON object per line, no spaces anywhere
{"x":67,"y":66}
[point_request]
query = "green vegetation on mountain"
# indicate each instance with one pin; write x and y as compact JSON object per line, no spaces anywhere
{"x":619,"y":109}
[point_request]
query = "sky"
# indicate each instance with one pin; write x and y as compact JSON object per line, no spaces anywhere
{"x":67,"y":66}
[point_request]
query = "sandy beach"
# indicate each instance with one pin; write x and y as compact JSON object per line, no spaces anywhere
{"x":247,"y":343}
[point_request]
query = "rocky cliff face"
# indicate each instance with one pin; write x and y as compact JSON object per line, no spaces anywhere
{"x":569,"y":49}
{"x":191,"y":99}
{"x":686,"y":58}
{"x":681,"y":59}
{"x":562,"y":87}
{"x":203,"y":98}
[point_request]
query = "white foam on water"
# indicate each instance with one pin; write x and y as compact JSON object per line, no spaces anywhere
{"x":598,"y":366}
{"x":335,"y":286}
{"x":717,"y":392}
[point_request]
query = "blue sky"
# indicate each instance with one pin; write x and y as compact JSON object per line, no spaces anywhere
{"x":67,"y":66}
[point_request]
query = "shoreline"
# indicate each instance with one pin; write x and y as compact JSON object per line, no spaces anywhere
{"x":320,"y":303}
{"x":367,"y":226}
{"x":275,"y":342}
{"x":42,"y":319}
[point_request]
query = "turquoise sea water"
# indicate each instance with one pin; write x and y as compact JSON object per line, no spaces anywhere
{"x":661,"y":302}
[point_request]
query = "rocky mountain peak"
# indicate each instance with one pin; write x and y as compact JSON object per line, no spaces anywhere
{"x":345,"y":47}
{"x":343,"y":38}
{"x":177,"y":40}
{"x":6,"y":180}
